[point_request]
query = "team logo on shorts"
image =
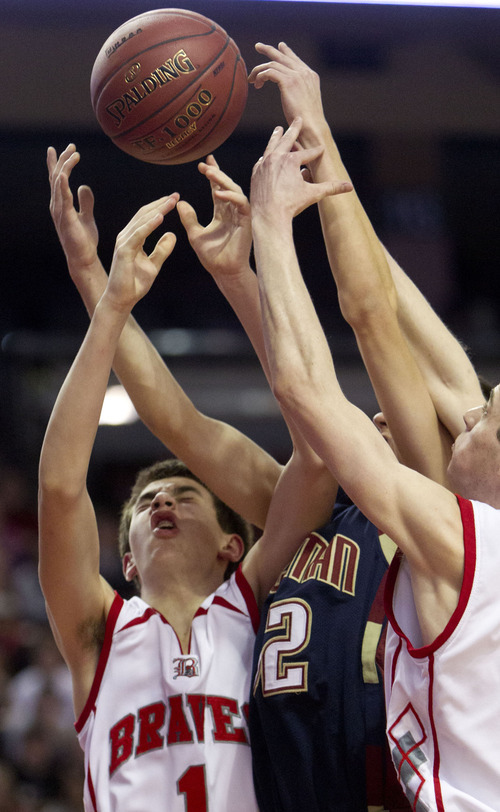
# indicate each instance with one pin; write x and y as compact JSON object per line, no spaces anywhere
{"x":186,"y":667}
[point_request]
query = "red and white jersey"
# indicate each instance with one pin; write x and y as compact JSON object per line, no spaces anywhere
{"x":167,"y":730}
{"x":443,"y":699}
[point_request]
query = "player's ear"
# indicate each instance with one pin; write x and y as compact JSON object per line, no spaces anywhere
{"x":128,"y":567}
{"x":233,"y":548}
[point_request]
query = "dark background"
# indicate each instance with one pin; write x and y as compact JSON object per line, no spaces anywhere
{"x":413,"y":98}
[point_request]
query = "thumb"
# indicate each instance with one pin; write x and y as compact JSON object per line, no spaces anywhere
{"x":331,"y":187}
{"x":163,"y":249}
{"x":340,"y":187}
{"x":188,"y":218}
{"x":86,"y":200}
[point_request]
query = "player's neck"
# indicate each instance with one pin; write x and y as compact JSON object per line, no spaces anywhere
{"x":178,"y":605}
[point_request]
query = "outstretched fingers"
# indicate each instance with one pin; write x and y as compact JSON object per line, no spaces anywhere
{"x":142,"y":219}
{"x":282,"y":141}
{"x":61,"y":197}
{"x":279,"y":186}
{"x":55,"y":162}
{"x":210,"y":168}
{"x":281,"y":68}
{"x":133,"y":271}
{"x":224,"y":188}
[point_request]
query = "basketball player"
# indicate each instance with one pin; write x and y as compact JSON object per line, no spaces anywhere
{"x":160,"y":682}
{"x":332,"y":775}
{"x":352,"y":698}
{"x":442,"y":593}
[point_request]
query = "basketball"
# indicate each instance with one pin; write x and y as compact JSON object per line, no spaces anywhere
{"x":169,"y":86}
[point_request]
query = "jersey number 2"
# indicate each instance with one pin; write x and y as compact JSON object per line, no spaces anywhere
{"x":290,"y":623}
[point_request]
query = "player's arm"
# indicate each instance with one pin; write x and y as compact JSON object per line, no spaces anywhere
{"x":240,"y":472}
{"x":449,"y":372}
{"x":429,"y":378}
{"x":223,"y":248}
{"x":369,"y":303}
{"x":77,"y":597}
{"x":302,"y":500}
{"x":421,"y":516}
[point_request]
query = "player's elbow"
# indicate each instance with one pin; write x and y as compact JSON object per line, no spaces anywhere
{"x":56,"y":485}
{"x":360,"y":312}
{"x":290,"y":386}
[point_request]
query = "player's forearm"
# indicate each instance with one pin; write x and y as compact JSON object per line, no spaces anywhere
{"x":302,"y":370}
{"x":138,"y":365}
{"x":89,"y":280}
{"x":364,"y":272}
{"x":443,"y":361}
{"x":242,"y":292}
{"x":295,"y":343}
{"x":73,"y":424}
{"x":356,"y":257}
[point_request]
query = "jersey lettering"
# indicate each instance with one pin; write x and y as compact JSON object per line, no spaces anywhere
{"x":186,"y":667}
{"x":335,"y":562}
{"x":197,"y":704}
{"x":121,"y":739}
{"x":151,"y":718}
{"x":149,"y":729}
{"x":290,"y":623}
{"x":178,"y":728}
{"x":223,"y":711}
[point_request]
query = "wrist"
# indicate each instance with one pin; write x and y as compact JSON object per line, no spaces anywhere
{"x":76,"y":265}
{"x":315,"y":132}
{"x":237,"y":279}
{"x":277,"y":221}
{"x":112,"y":309}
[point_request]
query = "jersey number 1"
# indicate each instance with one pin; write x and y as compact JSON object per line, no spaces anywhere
{"x":192,"y":785}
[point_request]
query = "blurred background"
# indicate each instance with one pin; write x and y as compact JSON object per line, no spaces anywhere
{"x":412,"y":94}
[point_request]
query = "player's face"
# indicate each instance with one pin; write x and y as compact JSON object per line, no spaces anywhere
{"x":474,"y":468}
{"x":173,"y":519}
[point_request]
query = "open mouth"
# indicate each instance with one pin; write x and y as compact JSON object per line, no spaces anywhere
{"x":165,"y":525}
{"x":163,"y":520}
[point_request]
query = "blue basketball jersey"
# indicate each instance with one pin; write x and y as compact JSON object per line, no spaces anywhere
{"x":317,"y":716}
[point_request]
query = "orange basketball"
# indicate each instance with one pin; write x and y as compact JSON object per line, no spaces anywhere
{"x":169,"y":86}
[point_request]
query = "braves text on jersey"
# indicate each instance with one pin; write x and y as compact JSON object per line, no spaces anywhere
{"x":167,"y":729}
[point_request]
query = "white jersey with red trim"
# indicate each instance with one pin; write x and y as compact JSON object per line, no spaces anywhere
{"x":443,"y":699}
{"x":167,"y":730}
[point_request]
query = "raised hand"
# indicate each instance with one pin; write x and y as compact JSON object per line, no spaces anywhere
{"x":133,"y":271}
{"x":223,"y":246}
{"x":278,"y":186}
{"x":77,"y":230}
{"x":299,"y":85}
